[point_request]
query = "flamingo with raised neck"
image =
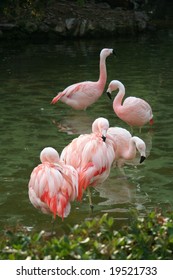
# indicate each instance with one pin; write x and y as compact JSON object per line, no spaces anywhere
{"x":81,"y":95}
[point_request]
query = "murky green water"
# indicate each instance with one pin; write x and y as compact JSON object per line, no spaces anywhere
{"x":30,"y":76}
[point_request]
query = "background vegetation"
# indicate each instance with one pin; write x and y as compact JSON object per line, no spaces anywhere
{"x":16,"y":8}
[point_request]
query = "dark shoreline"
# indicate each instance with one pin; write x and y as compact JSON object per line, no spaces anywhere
{"x":65,"y":20}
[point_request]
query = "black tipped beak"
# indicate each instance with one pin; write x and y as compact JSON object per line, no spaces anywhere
{"x":142,"y":159}
{"x":114,"y":53}
{"x":104,"y":138}
{"x":108,"y":94}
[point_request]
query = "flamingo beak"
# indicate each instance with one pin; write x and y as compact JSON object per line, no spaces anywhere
{"x":142,"y":159}
{"x":109,"y":94}
{"x":114,"y":52}
{"x":104,"y":135}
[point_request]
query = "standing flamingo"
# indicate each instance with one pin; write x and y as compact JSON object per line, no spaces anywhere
{"x":126,"y":146}
{"x":91,"y":155}
{"x":81,"y":95}
{"x":134,"y":111}
{"x":53,"y":184}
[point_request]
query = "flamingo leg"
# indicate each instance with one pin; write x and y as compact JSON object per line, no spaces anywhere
{"x":90,"y":199}
{"x":53,"y":225}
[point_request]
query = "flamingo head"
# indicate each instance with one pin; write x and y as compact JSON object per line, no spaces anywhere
{"x":106,"y":52}
{"x":141,"y":147}
{"x":100,"y":125}
{"x":114,"y":85}
{"x":50,"y":155}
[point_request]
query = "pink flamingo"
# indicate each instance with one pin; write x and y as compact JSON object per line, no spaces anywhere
{"x":53,"y":184}
{"x":134,"y":111}
{"x":91,"y":155}
{"x":125,"y":145}
{"x":81,"y":95}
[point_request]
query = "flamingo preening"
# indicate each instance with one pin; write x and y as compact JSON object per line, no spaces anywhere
{"x":91,"y":155}
{"x":53,"y":184}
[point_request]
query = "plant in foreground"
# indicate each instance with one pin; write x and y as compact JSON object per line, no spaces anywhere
{"x":149,"y":237}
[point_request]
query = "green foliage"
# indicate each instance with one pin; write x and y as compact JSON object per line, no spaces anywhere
{"x":150,"y":237}
{"x":18,"y":10}
{"x":80,"y":2}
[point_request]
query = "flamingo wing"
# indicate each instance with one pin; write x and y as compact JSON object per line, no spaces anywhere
{"x":80,"y":95}
{"x":96,"y":160}
{"x":137,"y":103}
{"x":136,"y":111}
{"x":51,"y":188}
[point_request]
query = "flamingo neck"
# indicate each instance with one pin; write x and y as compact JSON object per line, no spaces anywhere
{"x":131,"y":152}
{"x":103,"y":72}
{"x":118,"y":98}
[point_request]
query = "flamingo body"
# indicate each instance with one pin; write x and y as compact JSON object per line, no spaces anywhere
{"x":91,"y":155}
{"x":81,"y":95}
{"x":134,"y":111}
{"x":53,"y":184}
{"x":126,"y":145}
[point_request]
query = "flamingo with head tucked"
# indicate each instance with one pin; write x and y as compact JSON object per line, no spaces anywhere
{"x":91,"y":155}
{"x":134,"y":111}
{"x":53,"y":184}
{"x":126,"y":145}
{"x":81,"y":95}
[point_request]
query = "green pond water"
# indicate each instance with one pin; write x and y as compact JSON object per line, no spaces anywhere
{"x":32,"y":74}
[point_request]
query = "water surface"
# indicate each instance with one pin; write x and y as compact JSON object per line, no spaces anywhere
{"x":32,"y":74}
